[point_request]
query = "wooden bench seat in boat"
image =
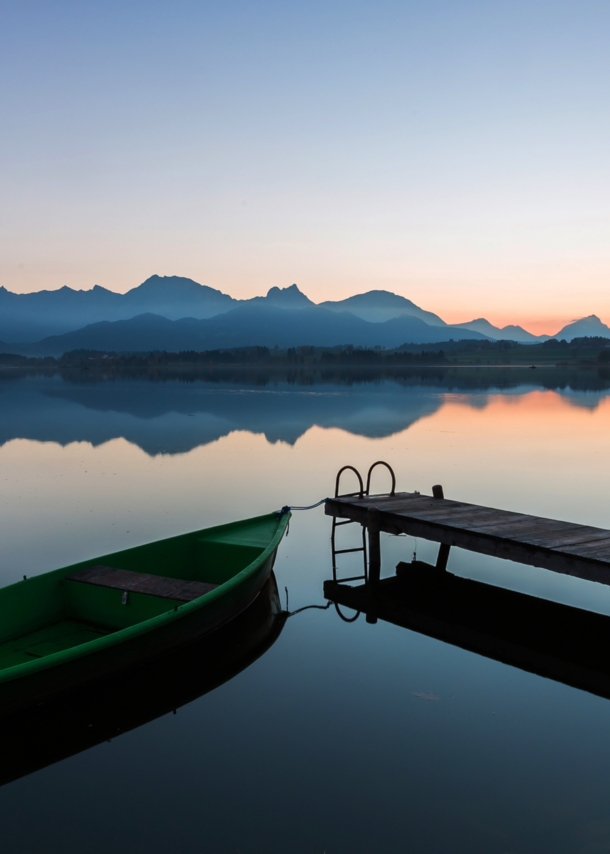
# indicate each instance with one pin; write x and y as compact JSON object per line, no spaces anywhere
{"x":141,"y":582}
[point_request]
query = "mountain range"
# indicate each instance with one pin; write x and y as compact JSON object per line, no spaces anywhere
{"x":176,"y":313}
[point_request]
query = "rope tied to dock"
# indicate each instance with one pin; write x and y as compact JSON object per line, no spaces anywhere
{"x":287,"y":508}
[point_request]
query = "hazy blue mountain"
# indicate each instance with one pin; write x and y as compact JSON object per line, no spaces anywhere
{"x":30,"y":317}
{"x":290,"y":297}
{"x":379,"y":306}
{"x":26,"y":318}
{"x":586,"y":326}
{"x":506,"y":333}
{"x":37,"y":322}
{"x":175,"y":297}
{"x":248,"y":325}
{"x":590,"y":326}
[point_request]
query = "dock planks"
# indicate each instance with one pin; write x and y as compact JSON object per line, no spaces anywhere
{"x":565,"y":547}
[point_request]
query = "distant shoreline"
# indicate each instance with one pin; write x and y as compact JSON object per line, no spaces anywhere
{"x":580,"y":352}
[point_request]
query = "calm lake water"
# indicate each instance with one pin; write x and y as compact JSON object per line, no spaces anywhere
{"x":339,"y":738}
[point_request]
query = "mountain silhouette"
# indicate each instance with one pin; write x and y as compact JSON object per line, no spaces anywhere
{"x":51,"y":322}
{"x":253,"y":324}
{"x":30,"y":317}
{"x":586,"y":326}
{"x":379,"y":306}
{"x":175,"y":297}
{"x":290,"y":297}
{"x":506,"y":333}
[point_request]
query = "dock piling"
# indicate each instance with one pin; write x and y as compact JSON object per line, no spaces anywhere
{"x":443,"y":552}
{"x":373,"y":528}
{"x":443,"y":556}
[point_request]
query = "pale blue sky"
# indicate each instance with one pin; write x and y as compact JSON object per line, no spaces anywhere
{"x":454,"y":152}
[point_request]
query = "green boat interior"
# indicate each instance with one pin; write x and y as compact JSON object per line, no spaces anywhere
{"x":53,"y":612}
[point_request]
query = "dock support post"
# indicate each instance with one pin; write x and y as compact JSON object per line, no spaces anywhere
{"x":372,"y":524}
{"x":443,"y":556}
{"x":373,"y":527}
{"x":443,"y":552}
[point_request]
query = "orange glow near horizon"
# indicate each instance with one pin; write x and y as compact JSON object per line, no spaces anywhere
{"x":535,"y":325}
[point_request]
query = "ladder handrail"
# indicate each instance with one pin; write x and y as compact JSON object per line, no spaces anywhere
{"x":361,"y":494}
{"x":357,"y":473}
{"x":368,"y":477}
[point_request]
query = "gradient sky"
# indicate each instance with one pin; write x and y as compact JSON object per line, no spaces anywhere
{"x":453,"y":152}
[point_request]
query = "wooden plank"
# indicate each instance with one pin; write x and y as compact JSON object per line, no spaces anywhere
{"x":410,"y":502}
{"x":141,"y":582}
{"x":472,"y":520}
{"x":485,"y":523}
{"x":399,"y":501}
{"x":450,"y":514}
{"x":432,"y":505}
{"x":464,"y":516}
{"x":516,"y":520}
{"x":576,"y":540}
{"x":486,"y":518}
{"x":590,"y":551}
{"x":377,"y":500}
{"x":526,"y":529}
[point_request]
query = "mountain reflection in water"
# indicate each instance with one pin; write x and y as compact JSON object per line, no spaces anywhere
{"x":176,"y":414}
{"x":32,"y":739}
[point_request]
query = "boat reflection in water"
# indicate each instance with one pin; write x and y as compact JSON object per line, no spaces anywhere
{"x":59,"y":728}
{"x":559,"y":642}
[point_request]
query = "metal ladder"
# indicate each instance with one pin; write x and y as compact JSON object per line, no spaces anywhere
{"x":336,"y":524}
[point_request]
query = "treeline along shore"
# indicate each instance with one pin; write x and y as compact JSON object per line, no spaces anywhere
{"x":585,"y":352}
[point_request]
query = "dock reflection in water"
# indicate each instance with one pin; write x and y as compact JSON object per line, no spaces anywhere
{"x":63,"y":727}
{"x":563,"y":643}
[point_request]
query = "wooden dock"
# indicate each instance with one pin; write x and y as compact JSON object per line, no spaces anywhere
{"x":579,"y":550}
{"x":557,"y":641}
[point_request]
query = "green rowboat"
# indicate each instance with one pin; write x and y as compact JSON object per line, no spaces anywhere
{"x":32,"y":738}
{"x":83,"y":622}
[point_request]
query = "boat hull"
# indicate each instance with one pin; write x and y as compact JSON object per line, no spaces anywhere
{"x":29,"y":685}
{"x":91,"y":714}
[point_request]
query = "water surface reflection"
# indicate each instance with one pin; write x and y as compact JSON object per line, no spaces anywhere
{"x":449,"y":750}
{"x":175,"y":415}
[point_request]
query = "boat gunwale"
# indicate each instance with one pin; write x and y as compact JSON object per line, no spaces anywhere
{"x":179,"y":611}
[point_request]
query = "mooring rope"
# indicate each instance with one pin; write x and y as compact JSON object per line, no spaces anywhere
{"x":309,"y":506}
{"x":288,"y":509}
{"x":290,"y":613}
